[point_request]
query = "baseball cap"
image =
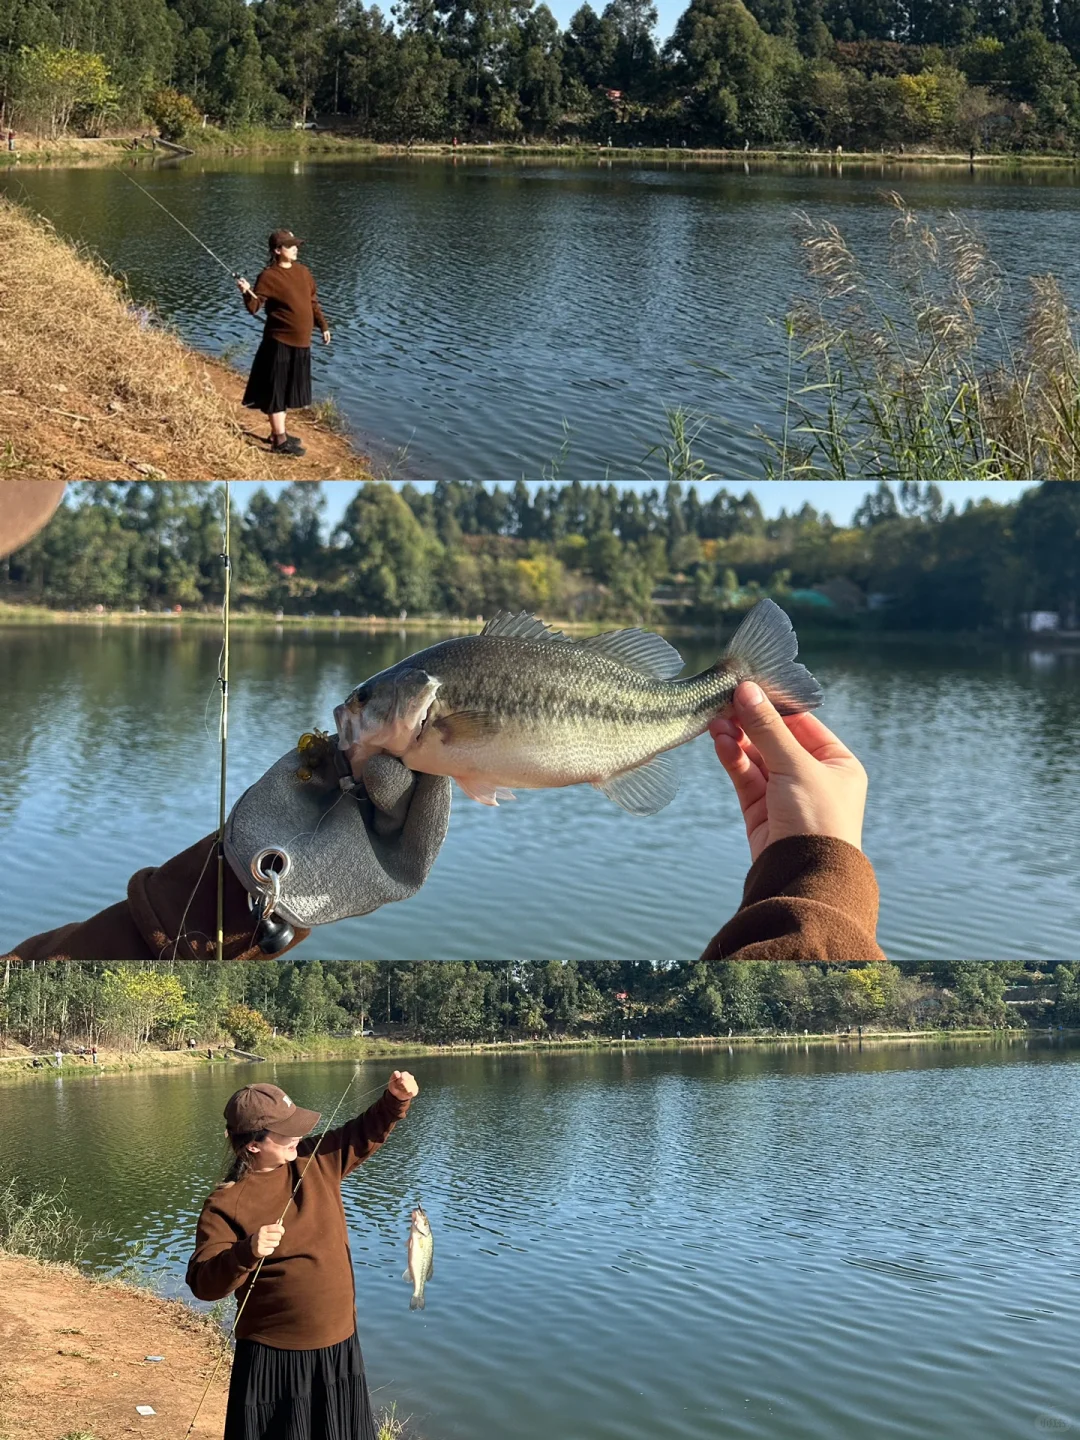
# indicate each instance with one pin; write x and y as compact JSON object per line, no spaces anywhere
{"x":265,"y":1107}
{"x":25,"y":506}
{"x":280,"y":238}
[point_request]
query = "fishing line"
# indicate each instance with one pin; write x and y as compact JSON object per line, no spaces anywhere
{"x":234,"y":273}
{"x":223,"y":681}
{"x":223,"y":736}
{"x":262,"y":1260}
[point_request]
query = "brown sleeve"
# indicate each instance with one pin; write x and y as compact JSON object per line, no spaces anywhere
{"x":252,"y":300}
{"x":145,"y":925}
{"x":316,"y":308}
{"x":809,"y":897}
{"x":343,"y":1149}
{"x":220,"y":1261}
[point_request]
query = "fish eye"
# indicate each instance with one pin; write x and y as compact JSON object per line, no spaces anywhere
{"x":362,"y":694}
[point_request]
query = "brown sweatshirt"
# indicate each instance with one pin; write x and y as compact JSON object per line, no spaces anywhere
{"x":145,"y":926}
{"x":292,"y":306}
{"x":305,"y":1296}
{"x":806,"y":898}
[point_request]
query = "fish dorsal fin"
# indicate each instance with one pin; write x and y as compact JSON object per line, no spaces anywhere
{"x":640,"y":650}
{"x":520,"y":625}
{"x":646,"y":789}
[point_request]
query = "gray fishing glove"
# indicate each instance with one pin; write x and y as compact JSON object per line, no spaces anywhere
{"x":312,"y":845}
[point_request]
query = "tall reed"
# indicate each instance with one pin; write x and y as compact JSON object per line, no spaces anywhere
{"x":915,"y":370}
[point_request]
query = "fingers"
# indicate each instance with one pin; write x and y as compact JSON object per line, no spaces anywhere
{"x":389,"y":785}
{"x":817,"y":739}
{"x":747,"y":776}
{"x":764,"y":725}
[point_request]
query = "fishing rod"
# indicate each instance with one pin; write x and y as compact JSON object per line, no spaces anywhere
{"x":262,"y":1260}
{"x":234,"y":273}
{"x":223,"y":727}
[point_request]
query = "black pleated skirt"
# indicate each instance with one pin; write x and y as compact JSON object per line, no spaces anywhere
{"x":299,"y":1394}
{"x":280,"y":378}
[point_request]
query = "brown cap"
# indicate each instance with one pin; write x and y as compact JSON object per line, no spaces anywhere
{"x":25,"y":506}
{"x":280,"y":238}
{"x":265,"y":1107}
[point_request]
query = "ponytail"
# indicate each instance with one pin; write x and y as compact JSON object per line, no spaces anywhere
{"x":241,"y":1159}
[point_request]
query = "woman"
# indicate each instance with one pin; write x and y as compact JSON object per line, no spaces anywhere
{"x":298,"y":1373}
{"x":280,"y":378}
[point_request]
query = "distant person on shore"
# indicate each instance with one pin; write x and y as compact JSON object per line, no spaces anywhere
{"x":11,"y":141}
{"x":810,"y":894}
{"x":298,"y":1371}
{"x":280,"y":378}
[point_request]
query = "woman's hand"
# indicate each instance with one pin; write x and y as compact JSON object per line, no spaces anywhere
{"x":791,"y":774}
{"x":402,"y":1086}
{"x":326,"y":337}
{"x":242,"y":285}
{"x":266,"y":1239}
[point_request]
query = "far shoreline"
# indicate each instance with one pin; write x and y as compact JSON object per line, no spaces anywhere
{"x":77,"y":151}
{"x":16,"y":1068}
{"x":16,"y":616}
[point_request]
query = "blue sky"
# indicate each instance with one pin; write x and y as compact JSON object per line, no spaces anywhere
{"x":840,"y":499}
{"x":668,"y":12}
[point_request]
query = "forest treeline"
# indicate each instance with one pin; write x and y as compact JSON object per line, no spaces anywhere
{"x":567,"y":550}
{"x":992,"y":74}
{"x":250,"y":1003}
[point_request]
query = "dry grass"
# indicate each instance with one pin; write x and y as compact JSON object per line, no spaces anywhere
{"x":92,"y":389}
{"x":916,"y":371}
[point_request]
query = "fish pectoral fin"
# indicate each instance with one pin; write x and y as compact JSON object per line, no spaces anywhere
{"x":640,"y":650}
{"x":460,"y":726}
{"x":645,"y":789}
{"x":486,"y":793}
{"x":521,"y":625}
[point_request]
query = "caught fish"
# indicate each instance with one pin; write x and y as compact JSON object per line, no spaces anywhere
{"x":521,"y":706}
{"x":421,"y":1250}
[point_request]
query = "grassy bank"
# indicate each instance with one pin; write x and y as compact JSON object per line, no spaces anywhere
{"x":325,"y":144}
{"x":94,"y":389}
{"x":809,"y":627}
{"x":17,"y":1064}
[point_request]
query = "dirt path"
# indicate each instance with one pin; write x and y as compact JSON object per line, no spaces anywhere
{"x":73,"y":1359}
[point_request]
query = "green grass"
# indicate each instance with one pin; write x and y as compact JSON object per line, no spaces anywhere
{"x":38,"y":1224}
{"x":912,"y":370}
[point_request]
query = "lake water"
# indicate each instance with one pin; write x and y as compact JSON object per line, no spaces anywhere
{"x":109,"y":762}
{"x":478,"y":305}
{"x":818,"y":1244}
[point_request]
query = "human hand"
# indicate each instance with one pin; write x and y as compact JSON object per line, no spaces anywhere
{"x":242,"y":285}
{"x":266,"y":1240}
{"x":326,"y":337}
{"x":791,"y":774}
{"x":403,"y":1086}
{"x":350,"y":849}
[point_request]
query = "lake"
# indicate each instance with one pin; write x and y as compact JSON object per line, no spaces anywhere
{"x":109,"y":762}
{"x":777,"y":1244}
{"x":478,"y":304}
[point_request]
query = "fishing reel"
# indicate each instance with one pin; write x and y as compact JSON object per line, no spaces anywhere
{"x":272,"y":934}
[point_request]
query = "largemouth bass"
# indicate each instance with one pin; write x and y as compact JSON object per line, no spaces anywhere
{"x":521,"y":706}
{"x":421,"y":1250}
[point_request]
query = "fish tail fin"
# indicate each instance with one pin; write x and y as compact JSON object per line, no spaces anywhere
{"x":763,"y":649}
{"x":416,"y":1303}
